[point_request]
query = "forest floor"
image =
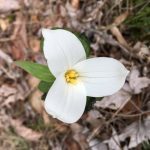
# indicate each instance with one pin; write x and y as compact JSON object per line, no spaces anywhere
{"x":115,"y":28}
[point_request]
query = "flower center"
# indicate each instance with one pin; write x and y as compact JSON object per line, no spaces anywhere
{"x":71,"y":76}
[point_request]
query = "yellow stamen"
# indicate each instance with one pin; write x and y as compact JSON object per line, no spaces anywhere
{"x":71,"y":76}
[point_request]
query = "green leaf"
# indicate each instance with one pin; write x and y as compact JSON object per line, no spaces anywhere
{"x":85,"y":42}
{"x":83,"y":39}
{"x":44,"y":86}
{"x":38,"y":70}
{"x":90,"y":103}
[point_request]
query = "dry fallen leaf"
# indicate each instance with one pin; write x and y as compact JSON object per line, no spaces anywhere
{"x":78,"y":135}
{"x":142,"y":50}
{"x":115,"y":30}
{"x":5,"y":57}
{"x":33,"y":82}
{"x":9,"y":5}
{"x":137,"y":83}
{"x":34,"y":44}
{"x":19,"y":46}
{"x":75,"y":3}
{"x":115,"y":101}
{"x":95,"y":144}
{"x":46,"y":117}
{"x":72,"y":144}
{"x":4,"y":23}
{"x":36,"y":102}
{"x":114,"y":142}
{"x":9,"y":95}
{"x":4,"y":120}
{"x":6,"y":90}
{"x":137,"y":132}
{"x":25,"y":132}
{"x":92,"y":118}
{"x":121,"y":18}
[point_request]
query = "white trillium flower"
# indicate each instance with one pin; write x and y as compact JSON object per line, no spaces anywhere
{"x":76,"y":76}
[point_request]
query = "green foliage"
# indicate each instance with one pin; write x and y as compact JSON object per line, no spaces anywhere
{"x":85,"y":42}
{"x":137,"y":2}
{"x":15,"y":141}
{"x":44,"y":86}
{"x":38,"y":70}
{"x":89,"y":103}
{"x":146,"y":145}
{"x":38,"y":125}
{"x":140,"y":19}
{"x":139,"y":22}
{"x":11,"y":18}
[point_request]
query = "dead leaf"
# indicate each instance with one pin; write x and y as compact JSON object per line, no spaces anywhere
{"x":76,"y":128}
{"x":75,"y":3}
{"x":95,"y":144}
{"x":121,"y":18}
{"x":36,"y":102}
{"x":6,"y":90}
{"x":33,"y":82}
{"x":72,"y":144}
{"x":9,"y":5}
{"x":137,"y":132}
{"x":142,"y":50}
{"x":38,"y":106}
{"x":5,"y":57}
{"x":115,"y":101}
{"x":25,"y":132}
{"x":19,"y":46}
{"x":4,"y":23}
{"x":95,"y":13}
{"x":34,"y":44}
{"x":92,"y":118}
{"x":114,"y":141}
{"x":116,"y":32}
{"x":137,"y":83}
{"x":4,"y":120}
{"x":9,"y":100}
{"x":46,"y":117}
{"x":78,"y":135}
{"x":9,"y":95}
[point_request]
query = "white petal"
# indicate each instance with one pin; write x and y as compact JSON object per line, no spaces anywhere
{"x":65,"y":101}
{"x":62,"y":50}
{"x":101,"y":76}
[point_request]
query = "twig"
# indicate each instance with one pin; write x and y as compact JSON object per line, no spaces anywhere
{"x":115,"y":114}
{"x":95,"y":131}
{"x":134,"y":115}
{"x":7,"y":39}
{"x":135,"y":106}
{"x":6,"y":57}
{"x":11,"y":76}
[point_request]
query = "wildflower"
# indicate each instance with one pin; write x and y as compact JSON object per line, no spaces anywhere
{"x":76,"y":76}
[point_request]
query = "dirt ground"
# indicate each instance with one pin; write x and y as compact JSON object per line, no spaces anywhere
{"x":115,"y":28}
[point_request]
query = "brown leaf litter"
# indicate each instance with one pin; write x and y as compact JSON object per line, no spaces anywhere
{"x":113,"y":118}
